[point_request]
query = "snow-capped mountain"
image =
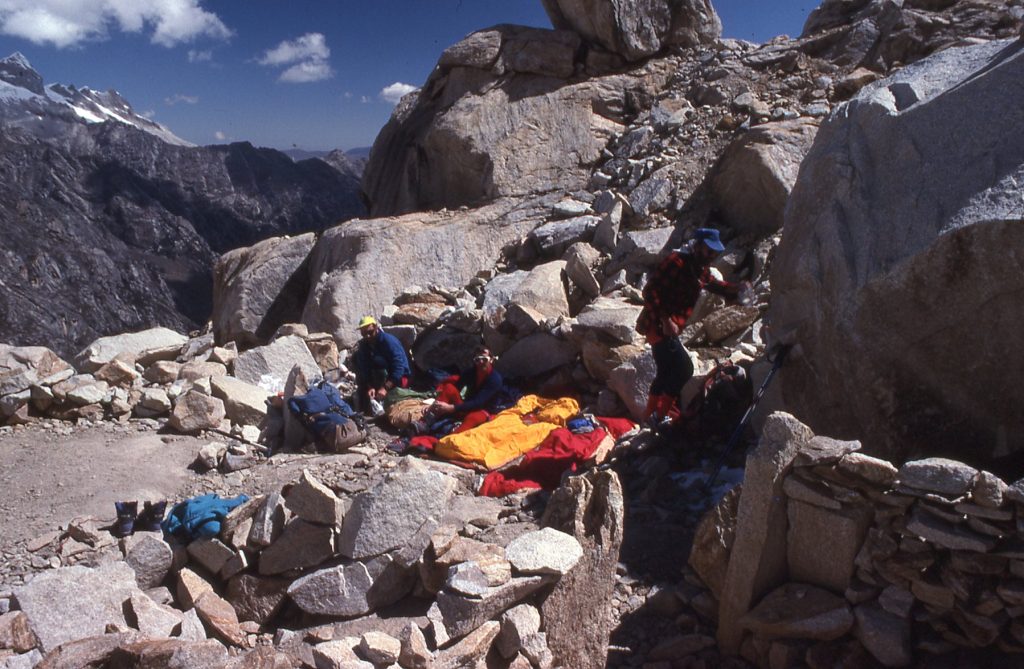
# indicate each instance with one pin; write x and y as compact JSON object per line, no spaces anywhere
{"x":112,"y":223}
{"x":26,"y":102}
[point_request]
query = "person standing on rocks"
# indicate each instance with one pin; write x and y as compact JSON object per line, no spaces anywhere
{"x":380,"y":364}
{"x":669,"y":298}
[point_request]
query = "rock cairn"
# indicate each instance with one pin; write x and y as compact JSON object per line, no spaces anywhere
{"x":410,"y":573}
{"x":829,"y":556}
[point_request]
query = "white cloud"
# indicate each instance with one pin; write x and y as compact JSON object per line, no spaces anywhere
{"x":67,"y":23}
{"x":395,"y":92}
{"x":219,"y":136}
{"x":365,"y":99}
{"x":311,"y":46}
{"x":197,"y":56}
{"x":306,"y":57}
{"x":181,"y":97}
{"x":302,"y":73}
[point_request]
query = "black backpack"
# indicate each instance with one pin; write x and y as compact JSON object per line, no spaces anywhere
{"x":718,"y":408}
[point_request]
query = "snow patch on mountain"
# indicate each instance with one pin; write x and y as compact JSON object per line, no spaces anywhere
{"x":23,"y":98}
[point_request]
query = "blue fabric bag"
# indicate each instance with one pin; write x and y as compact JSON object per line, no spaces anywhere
{"x":199,"y":517}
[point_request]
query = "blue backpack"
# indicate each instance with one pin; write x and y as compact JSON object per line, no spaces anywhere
{"x":322,"y":409}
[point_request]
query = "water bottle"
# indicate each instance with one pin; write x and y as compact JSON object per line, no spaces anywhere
{"x":376,"y":408}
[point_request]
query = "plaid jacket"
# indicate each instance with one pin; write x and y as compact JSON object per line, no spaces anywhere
{"x":672,"y":291}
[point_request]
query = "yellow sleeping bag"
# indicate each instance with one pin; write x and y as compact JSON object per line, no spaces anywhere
{"x":510,"y":433}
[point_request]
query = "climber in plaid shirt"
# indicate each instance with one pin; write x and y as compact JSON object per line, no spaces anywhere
{"x":669,"y":298}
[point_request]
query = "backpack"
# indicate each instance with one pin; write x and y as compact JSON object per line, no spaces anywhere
{"x":329,"y":418}
{"x":718,"y":408}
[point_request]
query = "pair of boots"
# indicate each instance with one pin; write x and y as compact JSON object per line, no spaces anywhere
{"x":130,"y":520}
{"x":660,"y":408}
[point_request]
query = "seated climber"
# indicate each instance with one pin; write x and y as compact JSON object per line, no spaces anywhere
{"x":485,"y":391}
{"x":380,"y":364}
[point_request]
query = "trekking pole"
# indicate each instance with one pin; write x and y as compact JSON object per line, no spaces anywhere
{"x":780,"y":355}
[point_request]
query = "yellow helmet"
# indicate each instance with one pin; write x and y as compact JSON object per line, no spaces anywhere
{"x":366,"y":321}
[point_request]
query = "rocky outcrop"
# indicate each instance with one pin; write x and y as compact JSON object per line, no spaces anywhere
{"x":881,"y":35}
{"x":902,"y":242}
{"x":259,"y":288}
{"x":636,"y":30}
{"x":509,"y":111}
{"x":359,"y":268}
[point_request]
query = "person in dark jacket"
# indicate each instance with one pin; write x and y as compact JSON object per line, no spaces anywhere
{"x":669,"y":298}
{"x":486,"y":389}
{"x":380,"y":363}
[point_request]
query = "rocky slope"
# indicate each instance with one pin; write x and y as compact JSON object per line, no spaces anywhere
{"x":108,"y":227}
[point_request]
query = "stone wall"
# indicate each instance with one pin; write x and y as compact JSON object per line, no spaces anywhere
{"x":833,"y":554}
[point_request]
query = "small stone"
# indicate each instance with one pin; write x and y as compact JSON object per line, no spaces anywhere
{"x":16,"y":633}
{"x":989,"y":490}
{"x":338,"y":654}
{"x":191,"y":586}
{"x":149,"y":556}
{"x":517,"y":623}
{"x":221,"y":617}
{"x":468,"y":579}
{"x":380,"y":648}
{"x":268,"y":522}
{"x":545,"y":551}
{"x":311,"y":500}
{"x":415,"y":653}
{"x":875,"y":470}
{"x":939,"y":475}
{"x":338,"y":591}
{"x":211,"y":554}
{"x":301,"y":545}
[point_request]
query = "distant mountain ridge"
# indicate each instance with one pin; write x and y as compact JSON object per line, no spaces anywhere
{"x":111,"y":223}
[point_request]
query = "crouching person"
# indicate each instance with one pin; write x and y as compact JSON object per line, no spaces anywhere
{"x":380,"y":364}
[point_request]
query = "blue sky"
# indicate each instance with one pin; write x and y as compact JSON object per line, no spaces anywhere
{"x":314,"y":74}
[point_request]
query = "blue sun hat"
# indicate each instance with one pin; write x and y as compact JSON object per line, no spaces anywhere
{"x":710,"y":238}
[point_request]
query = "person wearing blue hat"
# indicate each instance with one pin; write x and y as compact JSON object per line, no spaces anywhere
{"x":669,"y":297}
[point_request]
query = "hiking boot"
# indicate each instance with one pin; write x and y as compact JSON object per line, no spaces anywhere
{"x":127,"y":512}
{"x":151,"y":517}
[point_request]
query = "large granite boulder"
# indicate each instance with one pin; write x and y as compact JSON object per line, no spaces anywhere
{"x":258,"y":288}
{"x":509,"y":111}
{"x":752,"y":182}
{"x":899,"y":272}
{"x":636,"y":29}
{"x":358,"y":268}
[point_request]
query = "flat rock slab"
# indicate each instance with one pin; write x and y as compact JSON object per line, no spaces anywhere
{"x":276,"y":360}
{"x":104,"y":349}
{"x":89,"y":600}
{"x":387,"y":516}
{"x":797,"y":611}
{"x":546,"y":551}
{"x":339,"y":591}
{"x":301,"y":545}
{"x":461,"y":615}
{"x":245,"y":403}
{"x":939,"y":475}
